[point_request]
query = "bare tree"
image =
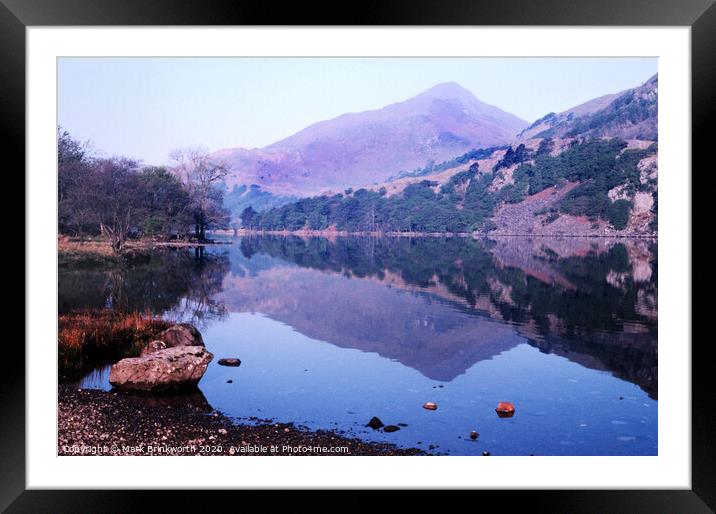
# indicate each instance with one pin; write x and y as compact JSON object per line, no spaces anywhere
{"x":202,"y":176}
{"x":118,"y":201}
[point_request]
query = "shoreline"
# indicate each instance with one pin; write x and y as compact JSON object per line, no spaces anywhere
{"x":93,"y":252}
{"x":476,"y":235}
{"x":95,"y":422}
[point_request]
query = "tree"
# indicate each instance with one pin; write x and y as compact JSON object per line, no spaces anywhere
{"x":74,"y":168}
{"x":166,"y":204}
{"x":116,"y":199}
{"x":249,"y":217}
{"x":202,"y":176}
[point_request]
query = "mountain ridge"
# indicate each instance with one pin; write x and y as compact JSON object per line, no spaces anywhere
{"x":629,"y":114}
{"x":364,"y":147}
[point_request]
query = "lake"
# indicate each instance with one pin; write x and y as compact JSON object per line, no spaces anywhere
{"x":334,"y":331}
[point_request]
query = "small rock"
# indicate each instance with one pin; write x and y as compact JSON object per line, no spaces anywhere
{"x":391,"y":428}
{"x":286,"y":430}
{"x":229,"y":381}
{"x":375,"y":423}
{"x":505,"y":409}
{"x":402,"y":424}
{"x":430,"y":406}
{"x":485,"y":453}
{"x":474,"y":435}
{"x":223,"y":431}
{"x":230,"y":362}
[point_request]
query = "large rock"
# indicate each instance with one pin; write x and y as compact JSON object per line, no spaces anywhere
{"x":171,"y":369}
{"x":153,"y":347}
{"x":181,"y":334}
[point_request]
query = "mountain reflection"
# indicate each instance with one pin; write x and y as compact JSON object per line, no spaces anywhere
{"x":439,"y":305}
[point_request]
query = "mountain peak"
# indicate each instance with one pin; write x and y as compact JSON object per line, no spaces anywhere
{"x":448,"y":90}
{"x":360,"y":148}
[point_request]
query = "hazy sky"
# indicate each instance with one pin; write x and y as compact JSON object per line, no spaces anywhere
{"x":145,"y":107}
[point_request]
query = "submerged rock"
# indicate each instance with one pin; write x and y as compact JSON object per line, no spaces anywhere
{"x":375,"y":423}
{"x":430,"y":406}
{"x":171,"y":369}
{"x":391,"y":428}
{"x":181,"y":334}
{"x":505,"y":409}
{"x":230,"y":362}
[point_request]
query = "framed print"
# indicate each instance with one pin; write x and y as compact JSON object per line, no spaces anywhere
{"x":424,"y":242}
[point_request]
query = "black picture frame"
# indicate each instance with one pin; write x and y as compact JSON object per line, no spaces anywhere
{"x":17,"y":15}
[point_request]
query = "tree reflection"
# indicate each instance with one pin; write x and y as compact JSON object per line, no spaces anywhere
{"x":174,"y":282}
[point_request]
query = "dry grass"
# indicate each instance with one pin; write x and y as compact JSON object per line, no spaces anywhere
{"x":86,"y":253}
{"x":101,"y":328}
{"x":87,"y":337}
{"x":98,"y":252}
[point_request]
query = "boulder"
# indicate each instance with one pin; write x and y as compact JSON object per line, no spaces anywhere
{"x":181,"y":334}
{"x":171,"y":369}
{"x":430,"y":406}
{"x":153,"y":347}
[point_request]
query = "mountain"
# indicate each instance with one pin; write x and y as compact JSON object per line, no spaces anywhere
{"x":631,"y":114}
{"x":362,"y":148}
{"x":590,"y":171}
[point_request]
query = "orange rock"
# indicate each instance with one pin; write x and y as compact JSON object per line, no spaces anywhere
{"x":505,"y":409}
{"x":430,"y":406}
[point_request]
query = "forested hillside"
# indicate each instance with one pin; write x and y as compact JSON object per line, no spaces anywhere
{"x":603,"y":176}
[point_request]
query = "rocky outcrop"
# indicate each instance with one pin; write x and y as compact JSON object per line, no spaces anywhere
{"x":170,"y":369}
{"x":539,"y":215}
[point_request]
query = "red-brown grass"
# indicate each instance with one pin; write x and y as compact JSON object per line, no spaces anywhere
{"x":103,"y":334}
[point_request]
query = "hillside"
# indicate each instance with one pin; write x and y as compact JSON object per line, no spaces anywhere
{"x":631,"y":114}
{"x":363,"y":148}
{"x":566,"y":186}
{"x":591,"y":170}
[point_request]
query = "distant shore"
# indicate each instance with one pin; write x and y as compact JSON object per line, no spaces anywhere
{"x":478,"y":235}
{"x":93,"y":422}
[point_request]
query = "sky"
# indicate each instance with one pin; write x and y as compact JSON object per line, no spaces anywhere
{"x":146,"y":107}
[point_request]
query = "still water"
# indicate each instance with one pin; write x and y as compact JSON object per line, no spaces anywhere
{"x":332,"y":332}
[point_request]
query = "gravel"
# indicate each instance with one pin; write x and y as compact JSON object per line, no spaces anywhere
{"x":93,"y":422}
